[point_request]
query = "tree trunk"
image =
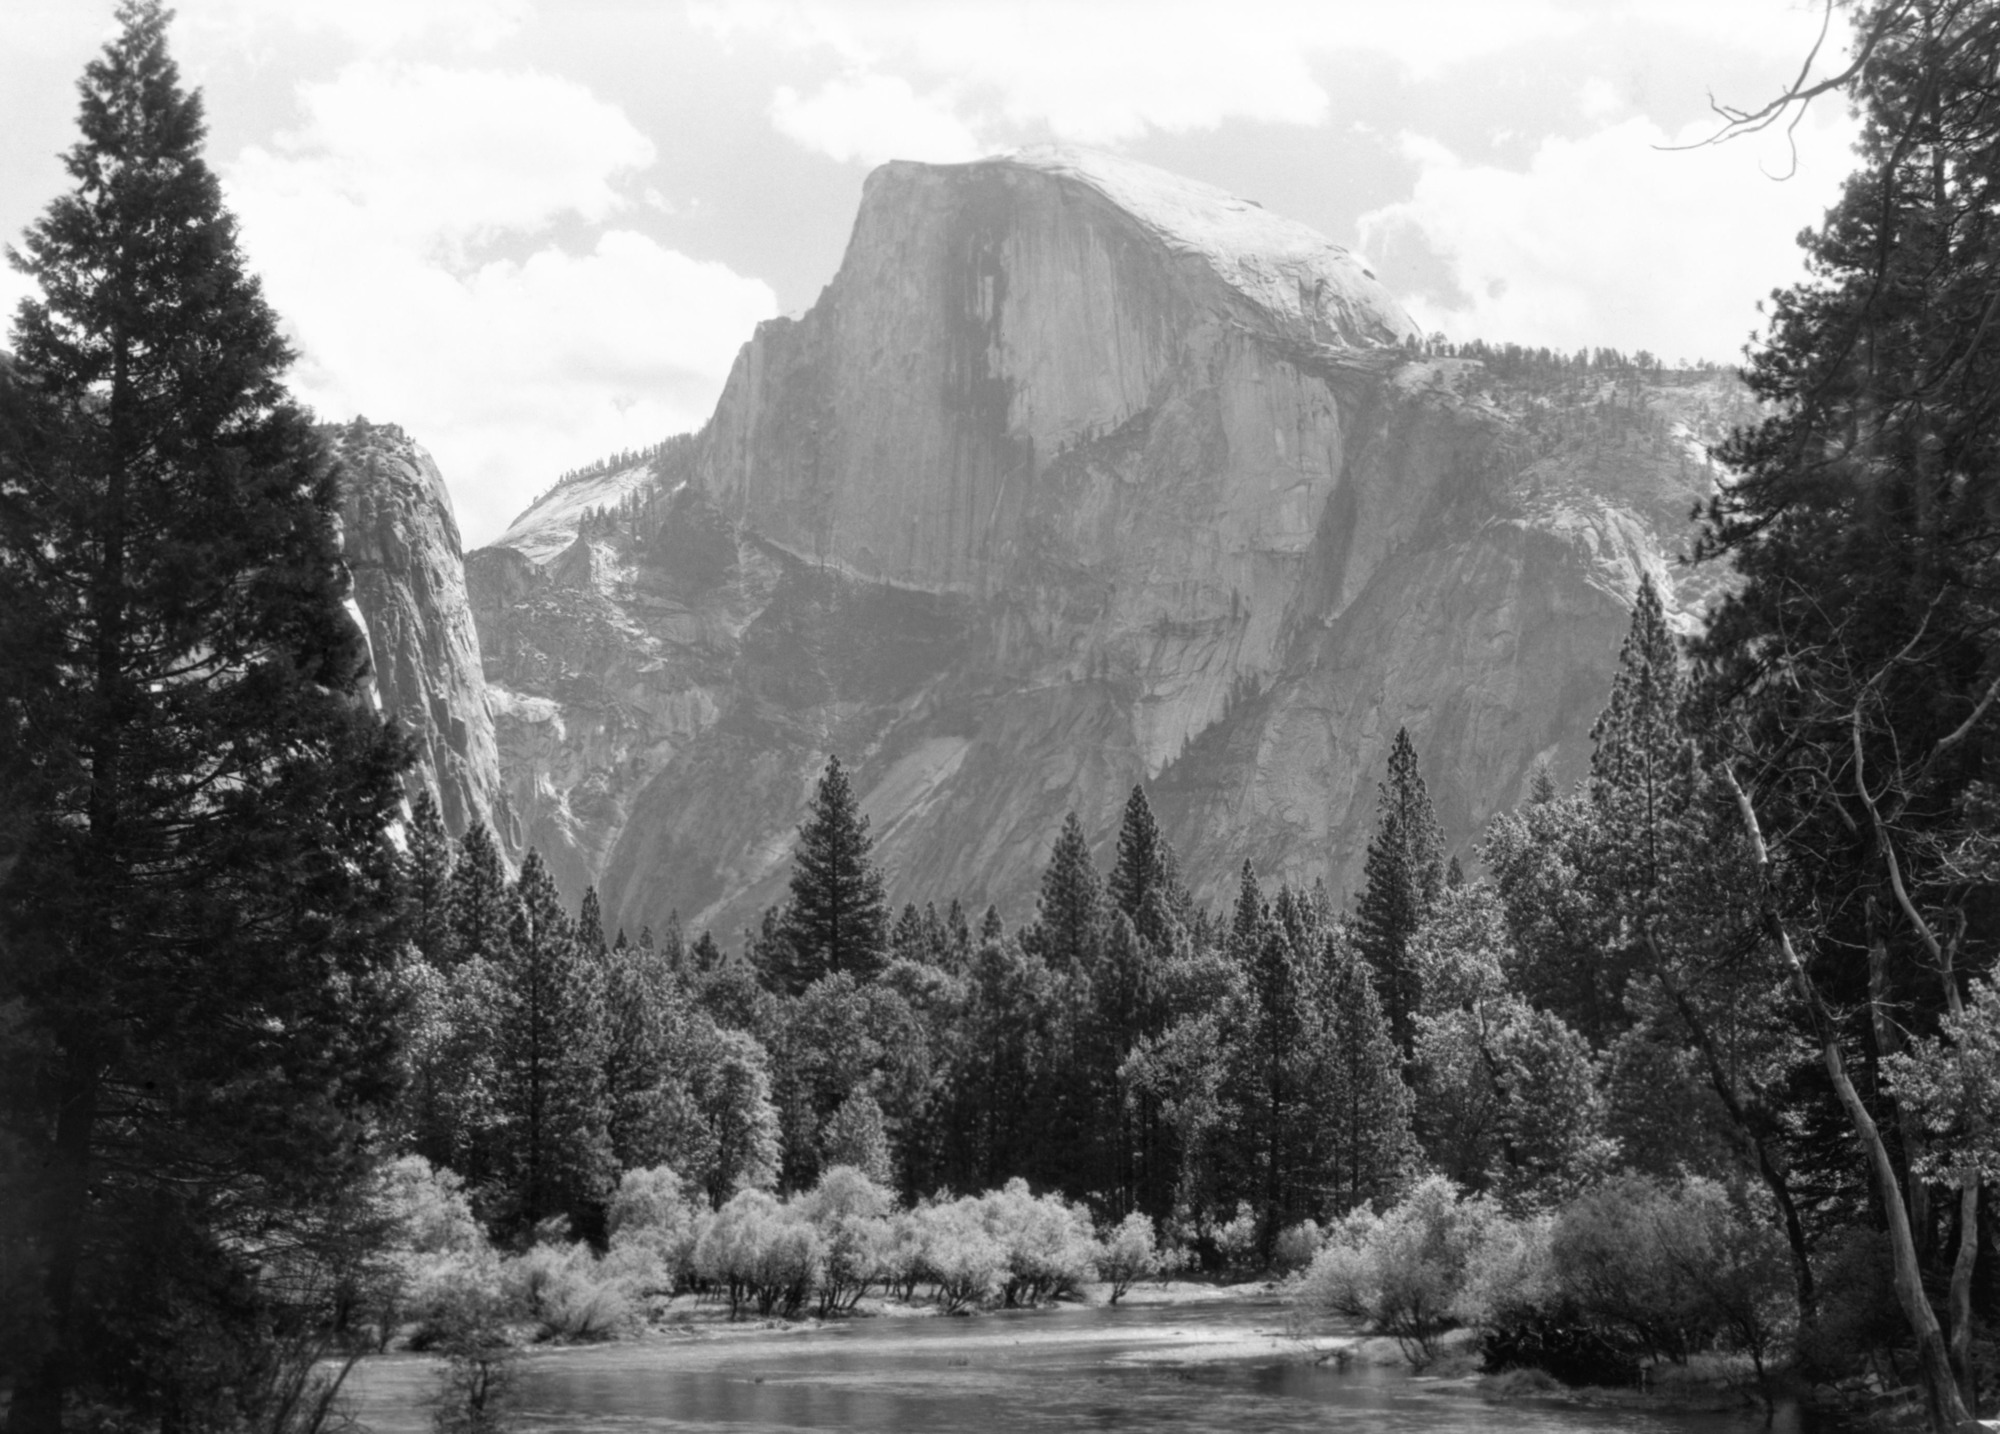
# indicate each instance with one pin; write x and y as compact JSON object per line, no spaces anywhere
{"x":1960,"y":1308}
{"x":37,"y":1406}
{"x":1945,"y":1406}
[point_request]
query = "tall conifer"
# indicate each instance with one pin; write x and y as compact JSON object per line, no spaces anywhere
{"x":837,"y":919}
{"x":1404,"y":872}
{"x":555,"y":1155}
{"x":1367,"y":1109}
{"x":193,"y":940}
{"x":427,"y":882}
{"x":1070,"y":916}
{"x":478,"y":907}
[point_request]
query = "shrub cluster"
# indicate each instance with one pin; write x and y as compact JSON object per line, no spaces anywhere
{"x":1630,"y":1271}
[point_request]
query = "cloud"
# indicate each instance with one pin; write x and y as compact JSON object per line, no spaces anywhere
{"x":1550,"y":255}
{"x":872,"y":118}
{"x":404,"y":232}
{"x":1113,"y":71}
{"x":373,"y":26}
{"x":451,"y":154}
{"x":1103,"y":73}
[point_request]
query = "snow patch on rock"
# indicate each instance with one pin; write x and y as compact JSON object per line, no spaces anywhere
{"x":1283,"y":267}
{"x":550,"y":523}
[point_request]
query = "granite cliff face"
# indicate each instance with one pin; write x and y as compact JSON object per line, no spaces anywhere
{"x":1077,"y":475}
{"x":402,"y":548}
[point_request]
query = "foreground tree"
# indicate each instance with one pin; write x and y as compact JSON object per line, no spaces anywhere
{"x":196,"y":922}
{"x":1858,"y":663}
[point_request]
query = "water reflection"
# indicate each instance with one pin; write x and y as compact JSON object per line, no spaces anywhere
{"x":1220,"y":1366}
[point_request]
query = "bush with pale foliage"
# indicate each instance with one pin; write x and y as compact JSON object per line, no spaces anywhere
{"x":1406,"y":1272}
{"x":654,"y":1221}
{"x":1127,"y":1254}
{"x":1046,"y":1244}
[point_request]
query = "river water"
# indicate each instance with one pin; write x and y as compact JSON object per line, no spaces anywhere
{"x":1227,"y":1365}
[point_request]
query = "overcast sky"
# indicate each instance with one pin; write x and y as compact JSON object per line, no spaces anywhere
{"x":537,"y":231}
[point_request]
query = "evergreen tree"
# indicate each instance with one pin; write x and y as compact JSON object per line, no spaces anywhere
{"x":550,"y":1047}
{"x":590,"y":927}
{"x":1145,"y":880}
{"x":1272,"y":1077}
{"x":958,"y":936}
{"x":1850,"y":674}
{"x":195,"y":944}
{"x":1368,"y":1110}
{"x":478,"y":905}
{"x":837,"y":919}
{"x":646,"y":1014}
{"x":427,"y":882}
{"x":1069,"y":928}
{"x":1642,"y":763}
{"x":1246,"y":925}
{"x":1403,"y":874}
{"x":909,"y":941}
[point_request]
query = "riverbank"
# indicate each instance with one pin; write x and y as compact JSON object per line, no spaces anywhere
{"x":1188,"y":1356}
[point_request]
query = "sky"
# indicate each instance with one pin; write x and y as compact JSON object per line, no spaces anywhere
{"x":535,"y":232}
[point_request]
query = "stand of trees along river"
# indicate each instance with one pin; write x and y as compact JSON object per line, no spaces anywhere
{"x":1705,"y":1051}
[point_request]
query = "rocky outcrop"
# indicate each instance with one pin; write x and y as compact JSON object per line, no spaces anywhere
{"x":1077,"y":475}
{"x":401,"y":545}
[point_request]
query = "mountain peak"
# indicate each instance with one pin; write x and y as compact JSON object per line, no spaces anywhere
{"x":1317,"y":289}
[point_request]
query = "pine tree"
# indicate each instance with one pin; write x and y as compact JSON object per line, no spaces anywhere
{"x":478,"y":905}
{"x":1270,"y":1073}
{"x":1850,"y":675}
{"x":590,"y":927}
{"x":837,"y":919}
{"x":427,"y":882}
{"x":646,"y":1015}
{"x":1367,"y":1131}
{"x":1246,"y":925}
{"x":908,"y":941}
{"x":1069,"y":927}
{"x":1145,"y":865}
{"x":550,"y":1039}
{"x":1404,"y":873}
{"x":195,"y":940}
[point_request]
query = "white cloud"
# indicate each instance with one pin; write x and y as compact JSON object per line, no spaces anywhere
{"x":368,"y":224}
{"x":452,"y":154}
{"x":1111,"y":71}
{"x":374,"y":26}
{"x":872,"y":118}
{"x":1609,"y":240}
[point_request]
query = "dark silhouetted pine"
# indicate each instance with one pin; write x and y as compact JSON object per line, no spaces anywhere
{"x":1069,"y":923}
{"x":1366,"y":1110}
{"x":590,"y":926}
{"x":1403,"y":875}
{"x":837,"y":918}
{"x":555,"y":1156}
{"x":196,"y":946}
{"x":1143,"y":862}
{"x":427,"y":882}
{"x":479,"y":907}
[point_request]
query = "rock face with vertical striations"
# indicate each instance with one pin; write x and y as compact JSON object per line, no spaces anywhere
{"x":401,"y":545}
{"x":1077,"y":475}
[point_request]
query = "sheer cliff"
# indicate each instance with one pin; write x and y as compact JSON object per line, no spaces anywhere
{"x":1076,"y":475}
{"x":401,"y":546}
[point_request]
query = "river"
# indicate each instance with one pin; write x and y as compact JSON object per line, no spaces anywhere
{"x":1226,"y":1365}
